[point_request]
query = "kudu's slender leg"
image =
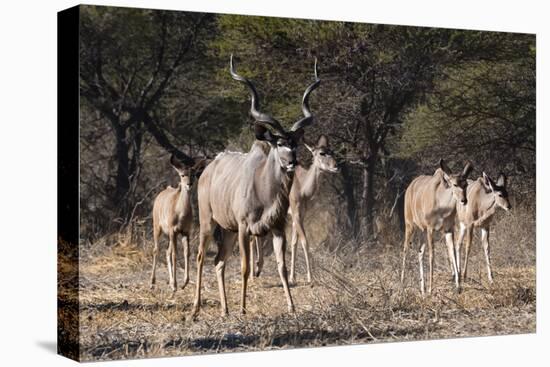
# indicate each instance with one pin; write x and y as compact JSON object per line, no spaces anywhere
{"x":485,"y":244}
{"x":467,"y":244}
{"x":244,"y":248}
{"x":305,"y":245}
{"x":185,"y":244}
{"x":451,"y":269}
{"x":260,"y":253}
{"x":171,"y":260}
{"x":430,"y":234}
{"x":406,"y":244}
{"x":169,"y":265}
{"x":224,"y":250}
{"x":451,"y":252}
{"x":421,"y":268}
{"x":156,"y":235}
{"x":456,"y":249}
{"x":458,"y":245}
{"x":204,"y":238}
{"x":252,"y":243}
{"x":293,"y":243}
{"x":256,"y":256}
{"x":279,"y":248}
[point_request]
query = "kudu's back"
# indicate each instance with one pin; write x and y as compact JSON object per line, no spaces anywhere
{"x":218,"y":186}
{"x":420,"y":200}
{"x":233,"y":189}
{"x":423,"y":207}
{"x":168,"y":215}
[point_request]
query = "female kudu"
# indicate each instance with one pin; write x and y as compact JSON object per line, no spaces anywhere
{"x":173,"y":216}
{"x":430,"y":205}
{"x":484,"y":197}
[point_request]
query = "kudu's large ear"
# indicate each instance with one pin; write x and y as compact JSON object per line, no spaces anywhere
{"x":322,"y":142}
{"x":444,"y":167}
{"x":446,"y":173}
{"x":467,"y":169}
{"x":488,"y":182}
{"x":501,"y":180}
{"x":178,"y":166}
{"x":308,"y":145}
{"x":263,"y":134}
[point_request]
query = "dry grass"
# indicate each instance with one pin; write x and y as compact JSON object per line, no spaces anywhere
{"x":356,"y":298}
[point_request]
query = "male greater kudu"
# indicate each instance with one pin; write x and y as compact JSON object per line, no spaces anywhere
{"x":247,"y":194}
{"x":172,"y":215}
{"x":484,"y":197}
{"x":430,"y":205}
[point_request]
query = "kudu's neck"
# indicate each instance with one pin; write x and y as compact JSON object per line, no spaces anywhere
{"x":272,"y":187}
{"x":309,"y":181}
{"x":487,"y":203}
{"x":274,"y":174}
{"x":184,"y":200}
{"x":269,"y":174}
{"x":445,"y":195}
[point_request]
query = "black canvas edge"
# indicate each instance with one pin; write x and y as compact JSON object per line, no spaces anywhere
{"x":68,"y":331}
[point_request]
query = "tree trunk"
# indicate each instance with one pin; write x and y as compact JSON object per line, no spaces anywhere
{"x":349,"y":194}
{"x":123,"y":165}
{"x":368,"y":195}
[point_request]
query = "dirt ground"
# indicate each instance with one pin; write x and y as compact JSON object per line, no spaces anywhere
{"x":353,"y":300}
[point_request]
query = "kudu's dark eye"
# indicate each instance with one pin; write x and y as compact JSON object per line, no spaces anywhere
{"x":323,"y":154}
